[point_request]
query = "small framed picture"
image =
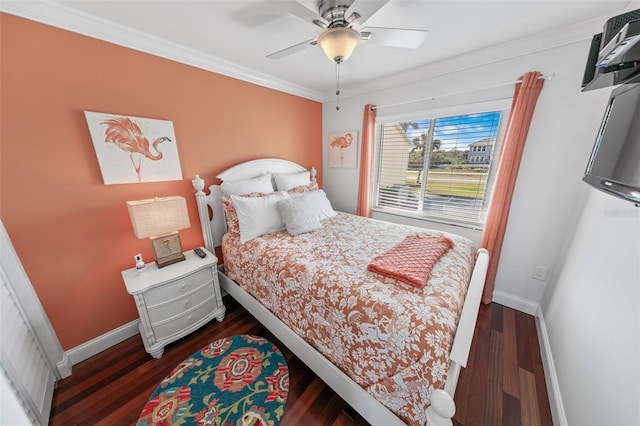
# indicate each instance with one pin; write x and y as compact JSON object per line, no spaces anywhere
{"x":134,"y":149}
{"x":343,"y":149}
{"x":167,"y":249}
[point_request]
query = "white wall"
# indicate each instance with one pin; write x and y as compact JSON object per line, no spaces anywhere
{"x":592,"y":316}
{"x":549,"y":186}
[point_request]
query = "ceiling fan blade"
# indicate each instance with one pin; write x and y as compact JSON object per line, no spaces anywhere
{"x":394,"y":37}
{"x":293,"y":49}
{"x":300,"y":11}
{"x":364,"y":9}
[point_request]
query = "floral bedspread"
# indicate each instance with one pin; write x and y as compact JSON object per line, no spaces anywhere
{"x":389,"y":337}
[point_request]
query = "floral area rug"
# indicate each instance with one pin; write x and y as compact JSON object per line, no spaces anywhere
{"x":234,"y":381}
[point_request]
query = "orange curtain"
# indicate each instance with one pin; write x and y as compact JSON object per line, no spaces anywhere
{"x":366,"y":161}
{"x":524,"y":101}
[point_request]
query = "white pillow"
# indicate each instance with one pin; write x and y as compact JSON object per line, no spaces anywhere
{"x":319,"y":204}
{"x":286,"y":181}
{"x":258,"y":184}
{"x":297,"y":213}
{"x":258,"y":215}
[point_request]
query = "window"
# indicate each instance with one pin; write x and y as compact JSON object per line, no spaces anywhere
{"x":438,"y":168}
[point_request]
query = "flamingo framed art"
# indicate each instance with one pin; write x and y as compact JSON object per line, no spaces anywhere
{"x":134,"y":149}
{"x":343,"y":149}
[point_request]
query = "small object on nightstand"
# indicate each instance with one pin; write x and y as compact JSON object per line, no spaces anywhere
{"x":200,"y":252}
{"x":139,"y":263}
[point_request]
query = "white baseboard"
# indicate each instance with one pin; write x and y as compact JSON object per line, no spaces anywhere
{"x":64,"y":366}
{"x":515,"y":302}
{"x":551,"y":378}
{"x":101,"y":343}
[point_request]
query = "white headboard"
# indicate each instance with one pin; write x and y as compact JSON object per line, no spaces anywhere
{"x":213,"y":224}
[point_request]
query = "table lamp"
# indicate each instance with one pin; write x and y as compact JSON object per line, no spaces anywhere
{"x":160,"y":219}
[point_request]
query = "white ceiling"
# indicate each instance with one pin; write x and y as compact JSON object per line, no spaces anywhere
{"x":234,"y":37}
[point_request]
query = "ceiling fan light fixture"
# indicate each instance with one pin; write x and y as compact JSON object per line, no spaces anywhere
{"x":338,"y":43}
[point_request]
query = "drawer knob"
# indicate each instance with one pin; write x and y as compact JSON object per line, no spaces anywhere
{"x":183,"y":287}
{"x":190,"y":319}
{"x":186,"y":303}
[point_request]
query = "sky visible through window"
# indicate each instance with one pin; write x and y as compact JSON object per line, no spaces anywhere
{"x":457,"y":132}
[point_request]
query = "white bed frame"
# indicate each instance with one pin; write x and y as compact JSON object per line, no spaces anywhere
{"x":442,"y":407}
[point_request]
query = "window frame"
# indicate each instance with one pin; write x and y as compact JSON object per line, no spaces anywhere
{"x":503,"y":105}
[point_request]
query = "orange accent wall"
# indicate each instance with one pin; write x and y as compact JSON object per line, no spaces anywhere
{"x":72,"y":232}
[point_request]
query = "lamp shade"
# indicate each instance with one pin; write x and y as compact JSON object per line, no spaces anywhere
{"x":338,"y":43}
{"x":158,"y":216}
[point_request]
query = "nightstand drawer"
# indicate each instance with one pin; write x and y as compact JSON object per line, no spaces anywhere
{"x":182,"y":286}
{"x":172,"y":308}
{"x":178,"y":324}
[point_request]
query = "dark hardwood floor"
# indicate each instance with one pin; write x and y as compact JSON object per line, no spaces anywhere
{"x":503,"y":383}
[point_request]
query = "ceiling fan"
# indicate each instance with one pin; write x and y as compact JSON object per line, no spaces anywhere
{"x":342,"y":21}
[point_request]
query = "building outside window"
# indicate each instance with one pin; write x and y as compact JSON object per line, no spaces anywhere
{"x":484,"y":147}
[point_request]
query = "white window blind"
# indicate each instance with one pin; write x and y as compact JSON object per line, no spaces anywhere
{"x":438,"y":168}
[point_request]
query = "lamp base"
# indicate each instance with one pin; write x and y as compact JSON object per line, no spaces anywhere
{"x":167,"y":249}
{"x":168,"y":260}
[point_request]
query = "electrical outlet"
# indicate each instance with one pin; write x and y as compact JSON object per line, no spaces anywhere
{"x":540,"y":273}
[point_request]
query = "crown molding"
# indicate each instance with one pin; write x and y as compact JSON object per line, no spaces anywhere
{"x":59,"y":16}
{"x":502,"y":52}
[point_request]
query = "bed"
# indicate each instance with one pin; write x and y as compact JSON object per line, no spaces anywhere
{"x":392,"y":351}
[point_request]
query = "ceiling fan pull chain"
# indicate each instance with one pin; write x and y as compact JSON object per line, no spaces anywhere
{"x":337,"y":85}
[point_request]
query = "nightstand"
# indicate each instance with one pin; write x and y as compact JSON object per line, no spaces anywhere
{"x":175,"y":300}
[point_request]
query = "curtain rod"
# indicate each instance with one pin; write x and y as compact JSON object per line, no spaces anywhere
{"x":433,"y":98}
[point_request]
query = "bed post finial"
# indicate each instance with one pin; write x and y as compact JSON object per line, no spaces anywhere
{"x":441,"y":410}
{"x":198,"y":184}
{"x":203,"y":213}
{"x":312,"y":174}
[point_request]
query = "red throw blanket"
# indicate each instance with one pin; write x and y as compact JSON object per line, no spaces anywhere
{"x":411,"y":260}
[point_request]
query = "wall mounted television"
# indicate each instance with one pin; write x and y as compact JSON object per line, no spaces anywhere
{"x":614,"y":165}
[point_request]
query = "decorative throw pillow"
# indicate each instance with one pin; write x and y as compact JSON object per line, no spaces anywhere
{"x":260,"y":184}
{"x":230,"y":215}
{"x":258,"y":215}
{"x":320,"y":206}
{"x":298,"y":215}
{"x":286,"y":181}
{"x":304,"y":188}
